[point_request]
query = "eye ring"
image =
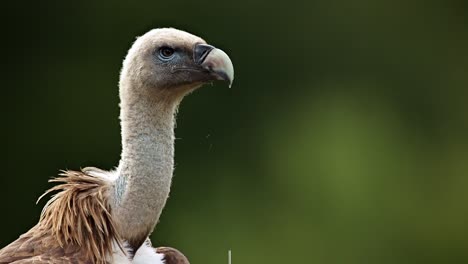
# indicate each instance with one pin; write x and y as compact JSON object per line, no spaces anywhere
{"x":166,"y":53}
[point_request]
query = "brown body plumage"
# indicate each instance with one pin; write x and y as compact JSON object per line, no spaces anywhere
{"x":100,"y":217}
{"x":76,"y":223}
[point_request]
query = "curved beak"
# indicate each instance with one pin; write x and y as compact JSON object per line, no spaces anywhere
{"x":215,"y":61}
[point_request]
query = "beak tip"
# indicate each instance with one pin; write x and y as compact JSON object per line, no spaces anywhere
{"x":220,"y":64}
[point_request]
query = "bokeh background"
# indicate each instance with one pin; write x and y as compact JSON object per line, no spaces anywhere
{"x":344,"y":138}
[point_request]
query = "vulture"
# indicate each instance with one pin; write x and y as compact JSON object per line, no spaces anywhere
{"x":106,"y":217}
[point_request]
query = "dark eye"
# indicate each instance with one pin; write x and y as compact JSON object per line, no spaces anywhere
{"x":166,"y":53}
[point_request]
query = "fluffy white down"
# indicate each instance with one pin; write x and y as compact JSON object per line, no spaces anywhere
{"x":145,"y":255}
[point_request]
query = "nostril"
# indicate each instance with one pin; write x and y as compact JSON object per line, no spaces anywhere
{"x":200,"y":52}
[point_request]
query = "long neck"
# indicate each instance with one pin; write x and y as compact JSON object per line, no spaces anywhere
{"x":146,"y":165}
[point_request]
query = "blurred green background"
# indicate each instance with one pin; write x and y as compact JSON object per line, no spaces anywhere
{"x":344,"y":138}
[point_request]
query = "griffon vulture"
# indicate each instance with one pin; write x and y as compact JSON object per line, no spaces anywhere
{"x":106,"y":216}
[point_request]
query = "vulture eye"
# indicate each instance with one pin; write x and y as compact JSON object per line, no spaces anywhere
{"x":166,"y":53}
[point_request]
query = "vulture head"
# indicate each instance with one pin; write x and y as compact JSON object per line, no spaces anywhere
{"x":171,"y":63}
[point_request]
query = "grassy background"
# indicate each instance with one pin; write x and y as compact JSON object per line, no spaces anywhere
{"x":343,"y":140}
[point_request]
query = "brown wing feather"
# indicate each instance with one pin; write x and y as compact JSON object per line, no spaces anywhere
{"x":38,"y":246}
{"x":76,"y":225}
{"x":172,"y":255}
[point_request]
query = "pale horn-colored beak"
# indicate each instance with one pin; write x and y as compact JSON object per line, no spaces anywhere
{"x":215,"y":61}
